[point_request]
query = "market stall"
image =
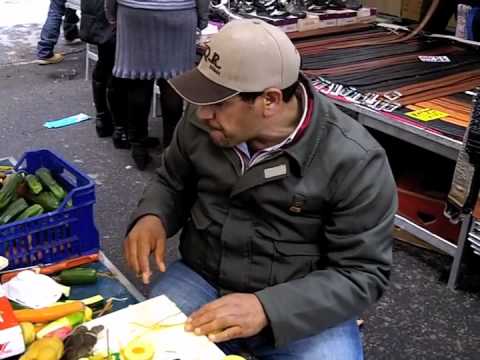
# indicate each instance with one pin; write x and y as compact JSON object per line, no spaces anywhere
{"x":58,"y":287}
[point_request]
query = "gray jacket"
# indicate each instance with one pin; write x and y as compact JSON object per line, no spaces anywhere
{"x":307,"y":230}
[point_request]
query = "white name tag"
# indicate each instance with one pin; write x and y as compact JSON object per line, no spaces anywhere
{"x":275,"y":171}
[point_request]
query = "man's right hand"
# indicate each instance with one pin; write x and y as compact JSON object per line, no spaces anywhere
{"x":146,"y":237}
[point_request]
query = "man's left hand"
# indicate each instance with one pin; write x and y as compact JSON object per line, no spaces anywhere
{"x":231,"y":316}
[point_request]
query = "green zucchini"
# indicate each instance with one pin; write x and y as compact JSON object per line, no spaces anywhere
{"x":8,"y":190}
{"x":47,"y":179}
{"x":31,"y":211}
{"x":13,"y":210}
{"x":34,"y":184}
{"x":78,"y":276}
{"x":47,"y":200}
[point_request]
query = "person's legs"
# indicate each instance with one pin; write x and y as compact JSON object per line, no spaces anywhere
{"x":51,"y":29}
{"x":342,"y":342}
{"x":139,"y":101}
{"x":189,"y":291}
{"x":172,"y":109}
{"x":70,"y":28}
{"x":101,"y":79}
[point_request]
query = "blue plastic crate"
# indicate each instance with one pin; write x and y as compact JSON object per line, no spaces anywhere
{"x":61,"y":234}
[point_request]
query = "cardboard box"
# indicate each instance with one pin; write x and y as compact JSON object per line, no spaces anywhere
{"x":415,"y":9}
{"x":11,"y":338}
{"x":390,"y":7}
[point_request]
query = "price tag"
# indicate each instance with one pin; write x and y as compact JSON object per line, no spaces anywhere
{"x":434,"y":59}
{"x":426,"y":114}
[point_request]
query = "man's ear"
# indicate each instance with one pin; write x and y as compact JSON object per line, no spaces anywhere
{"x":272,"y":101}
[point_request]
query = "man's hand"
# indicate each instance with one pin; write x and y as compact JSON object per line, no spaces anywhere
{"x":146,"y":237}
{"x":229,"y":317}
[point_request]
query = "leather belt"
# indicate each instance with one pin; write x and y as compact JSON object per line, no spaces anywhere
{"x":400,"y":75}
{"x":446,"y":85}
{"x":388,"y":61}
{"x":349,"y":56}
{"x":411,"y":35}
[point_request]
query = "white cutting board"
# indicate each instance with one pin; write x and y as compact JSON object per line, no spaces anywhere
{"x":169,"y":343}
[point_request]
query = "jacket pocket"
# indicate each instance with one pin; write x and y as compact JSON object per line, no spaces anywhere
{"x":200,"y":220}
{"x":296,"y":249}
{"x":293,"y":261}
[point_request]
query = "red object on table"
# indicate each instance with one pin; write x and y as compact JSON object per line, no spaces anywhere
{"x":54,"y":268}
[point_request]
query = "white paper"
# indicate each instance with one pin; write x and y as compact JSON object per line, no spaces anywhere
{"x":169,"y":342}
{"x":19,"y":289}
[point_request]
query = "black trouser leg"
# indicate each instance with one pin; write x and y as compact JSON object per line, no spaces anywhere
{"x":101,"y":80}
{"x":439,"y":21}
{"x":139,"y":101}
{"x":70,"y":28}
{"x":172,"y":108}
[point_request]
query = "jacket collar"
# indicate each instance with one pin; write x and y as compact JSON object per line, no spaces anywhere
{"x":304,"y":150}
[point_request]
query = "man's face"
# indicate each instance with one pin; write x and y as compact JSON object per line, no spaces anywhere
{"x":232,"y":121}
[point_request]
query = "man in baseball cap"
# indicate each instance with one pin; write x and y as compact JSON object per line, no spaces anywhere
{"x":245,"y":56}
{"x":286,"y":206}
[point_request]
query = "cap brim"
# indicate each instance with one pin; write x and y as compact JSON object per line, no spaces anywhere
{"x":197,"y":89}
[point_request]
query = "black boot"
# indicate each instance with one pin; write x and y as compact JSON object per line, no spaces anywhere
{"x":103,"y":120}
{"x":294,"y":7}
{"x":117,"y":103}
{"x":120,"y":138}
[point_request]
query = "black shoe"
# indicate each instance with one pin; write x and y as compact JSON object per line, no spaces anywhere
{"x":103,"y":125}
{"x":120,"y":139}
{"x":140,"y":156}
{"x":295,"y":8}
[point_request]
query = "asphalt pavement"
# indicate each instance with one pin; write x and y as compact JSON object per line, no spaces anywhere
{"x":418,"y":318}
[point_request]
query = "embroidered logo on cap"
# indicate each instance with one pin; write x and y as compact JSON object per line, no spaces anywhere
{"x":212,"y":58}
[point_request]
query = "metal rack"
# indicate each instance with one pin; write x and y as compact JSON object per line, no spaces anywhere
{"x":441,"y":145}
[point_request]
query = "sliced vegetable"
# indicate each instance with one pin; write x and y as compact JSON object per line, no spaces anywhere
{"x":47,"y":179}
{"x":8,"y":191}
{"x":138,"y":350}
{"x":13,"y":210}
{"x":31,"y":211}
{"x":62,"y":327}
{"x":34,"y":184}
{"x":48,"y":314}
{"x":94,"y":302}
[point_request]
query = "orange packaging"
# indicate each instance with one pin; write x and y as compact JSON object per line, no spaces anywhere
{"x":11,"y":339}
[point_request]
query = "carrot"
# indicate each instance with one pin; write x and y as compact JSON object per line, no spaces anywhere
{"x":47,"y":314}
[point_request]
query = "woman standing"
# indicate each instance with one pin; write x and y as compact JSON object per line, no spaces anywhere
{"x":155,"y":40}
{"x":110,"y":109}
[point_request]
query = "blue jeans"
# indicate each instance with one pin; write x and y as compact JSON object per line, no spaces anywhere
{"x":51,"y":29}
{"x":190,"y":291}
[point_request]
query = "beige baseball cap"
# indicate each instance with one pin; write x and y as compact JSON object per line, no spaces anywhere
{"x":244,"y":56}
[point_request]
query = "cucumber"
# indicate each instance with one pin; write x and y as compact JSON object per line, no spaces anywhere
{"x":31,"y":211}
{"x":13,"y":210}
{"x":78,"y":276}
{"x":47,"y":179}
{"x":34,"y":184}
{"x":47,"y":200}
{"x":8,"y":191}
